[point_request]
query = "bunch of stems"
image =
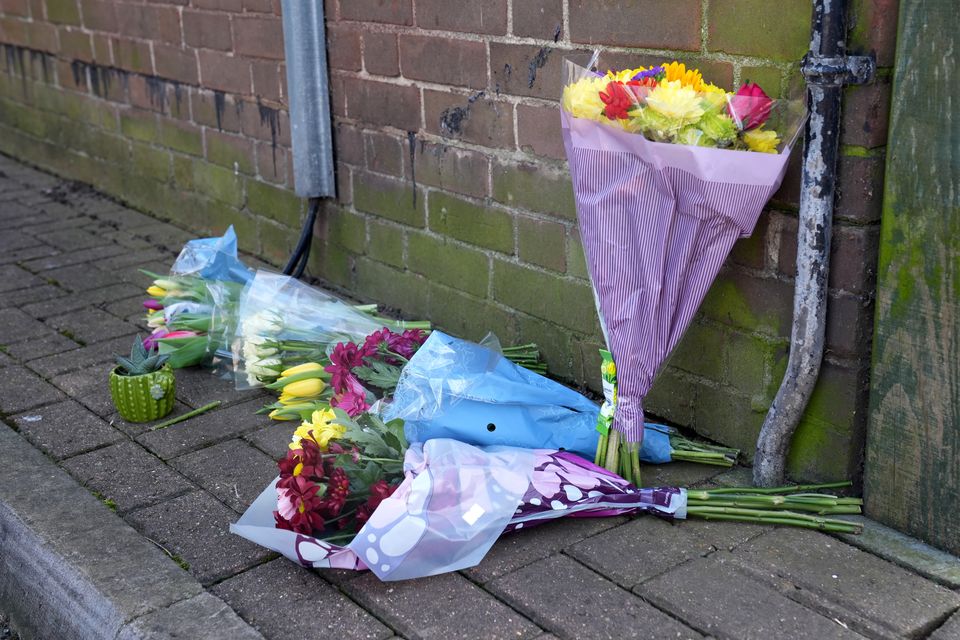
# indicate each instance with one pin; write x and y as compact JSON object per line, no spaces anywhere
{"x":527,"y":356}
{"x":616,"y":454}
{"x":686,"y":450}
{"x":795,"y":506}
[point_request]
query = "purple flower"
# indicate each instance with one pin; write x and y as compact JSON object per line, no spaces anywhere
{"x":649,"y":73}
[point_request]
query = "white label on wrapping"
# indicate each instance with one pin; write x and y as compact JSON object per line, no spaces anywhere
{"x":473,"y":514}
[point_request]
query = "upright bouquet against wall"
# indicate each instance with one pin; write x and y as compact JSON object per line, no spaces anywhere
{"x":668,"y":172}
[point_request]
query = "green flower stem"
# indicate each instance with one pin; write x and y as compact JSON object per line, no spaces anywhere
{"x":366,"y":308}
{"x":778,"y":517}
{"x":633,"y":451}
{"x":186,"y":416}
{"x":701,"y":457}
{"x":612,"y":457}
{"x":600,"y":457}
{"x":780,"y":490}
{"x":770,"y":519}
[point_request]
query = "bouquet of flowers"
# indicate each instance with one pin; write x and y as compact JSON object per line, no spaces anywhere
{"x":452,"y":388}
{"x":666,"y":176}
{"x":284,"y":323}
{"x":353,"y":494}
{"x":358,"y":375}
{"x":192,"y":311}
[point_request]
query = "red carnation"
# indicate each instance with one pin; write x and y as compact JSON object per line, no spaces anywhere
{"x":619,"y":101}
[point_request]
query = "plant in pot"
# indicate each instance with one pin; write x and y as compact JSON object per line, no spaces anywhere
{"x":142,"y":386}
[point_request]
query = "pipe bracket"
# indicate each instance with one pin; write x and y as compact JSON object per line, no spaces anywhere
{"x":837,"y":71}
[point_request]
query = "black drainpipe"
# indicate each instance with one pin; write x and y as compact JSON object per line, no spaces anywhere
{"x":826,"y":69}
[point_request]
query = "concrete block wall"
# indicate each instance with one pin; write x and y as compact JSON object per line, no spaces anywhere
{"x":454,"y":202}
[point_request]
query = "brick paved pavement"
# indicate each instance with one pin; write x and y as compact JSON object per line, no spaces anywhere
{"x":69,"y":299}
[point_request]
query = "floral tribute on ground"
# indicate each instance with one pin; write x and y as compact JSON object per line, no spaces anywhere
{"x":667,"y":175}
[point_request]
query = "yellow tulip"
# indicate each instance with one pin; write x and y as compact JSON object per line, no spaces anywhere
{"x":156,"y":291}
{"x":276,"y":415}
{"x":309,"y":388}
{"x":301,"y":368}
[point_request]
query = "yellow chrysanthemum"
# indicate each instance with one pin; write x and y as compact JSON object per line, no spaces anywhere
{"x":762,"y":140}
{"x":319,"y":428}
{"x":582,"y":98}
{"x":678,"y":103}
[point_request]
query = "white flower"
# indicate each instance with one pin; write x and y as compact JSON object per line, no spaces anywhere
{"x":263,"y":322}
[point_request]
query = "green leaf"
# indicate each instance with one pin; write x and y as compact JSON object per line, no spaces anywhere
{"x":379,"y":374}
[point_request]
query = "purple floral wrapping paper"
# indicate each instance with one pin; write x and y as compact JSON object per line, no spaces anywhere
{"x":453,"y":504}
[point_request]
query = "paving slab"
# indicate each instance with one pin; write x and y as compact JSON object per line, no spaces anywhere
{"x":32,"y":295}
{"x":571,"y":601}
{"x":74,"y":279}
{"x":91,"y":326}
{"x":195,"y":527}
{"x":13,"y":240}
{"x":53,"y":577}
{"x":950,"y":629}
{"x":79,"y":300}
{"x":202,"y":616}
{"x":133,"y":429}
{"x":129,"y":476}
{"x":16,"y":326}
{"x":867,"y":593}
{"x":443,"y":607}
{"x":648,"y":546}
{"x":720,"y":601}
{"x":283,"y":600}
{"x":234,"y":472}
{"x":199,"y":387}
{"x":209,"y":428}
{"x":65,"y":429}
{"x":48,"y":344}
{"x":909,"y":553}
{"x":274,"y":438}
{"x":21,"y":389}
{"x":13,"y":277}
{"x":93,"y":254}
{"x":71,"y":239}
{"x":94,"y":356}
{"x":520,"y":548}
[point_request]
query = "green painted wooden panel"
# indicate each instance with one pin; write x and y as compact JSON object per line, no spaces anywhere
{"x":912,"y":473}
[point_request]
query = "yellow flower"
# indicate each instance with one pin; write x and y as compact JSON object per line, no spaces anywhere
{"x":688,"y":77}
{"x":276,"y":415}
{"x":156,"y":291}
{"x":762,"y":140}
{"x":309,"y":388}
{"x":582,"y":98}
{"x":609,"y":369}
{"x":301,"y":368}
{"x":623,"y":76}
{"x":678,"y":103}
{"x":319,"y":428}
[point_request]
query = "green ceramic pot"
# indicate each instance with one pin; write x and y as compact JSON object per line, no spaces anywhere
{"x":143,"y":398}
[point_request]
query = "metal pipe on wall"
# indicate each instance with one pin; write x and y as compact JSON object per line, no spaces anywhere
{"x":826,"y":69}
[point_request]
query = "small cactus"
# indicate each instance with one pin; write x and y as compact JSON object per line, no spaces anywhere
{"x":140,"y":361}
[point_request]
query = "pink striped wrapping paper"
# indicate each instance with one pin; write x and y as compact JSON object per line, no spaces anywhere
{"x":657,"y":221}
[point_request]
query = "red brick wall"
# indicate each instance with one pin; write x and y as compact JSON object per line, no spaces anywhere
{"x":454,"y":201}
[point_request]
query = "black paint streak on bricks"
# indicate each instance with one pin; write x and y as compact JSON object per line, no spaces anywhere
{"x":412,"y":141}
{"x":36,"y":56}
{"x":15,"y":61}
{"x":537,"y":63}
{"x":157,"y":92}
{"x":219,"y":100}
{"x":452,"y":119}
{"x":270,"y":116}
{"x":557,"y":32}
